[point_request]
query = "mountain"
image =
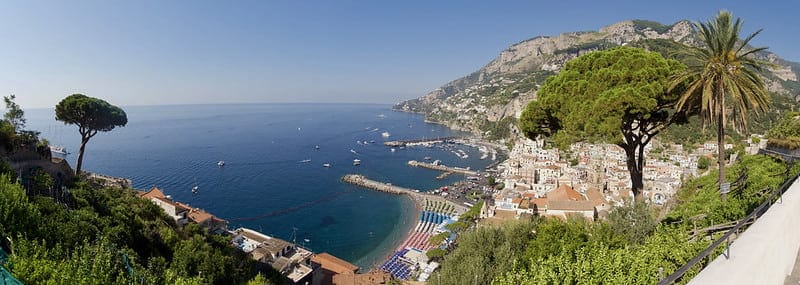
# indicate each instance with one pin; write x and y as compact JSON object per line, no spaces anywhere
{"x":488,"y":102}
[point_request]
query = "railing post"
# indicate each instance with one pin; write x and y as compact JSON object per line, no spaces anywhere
{"x":728,"y":247}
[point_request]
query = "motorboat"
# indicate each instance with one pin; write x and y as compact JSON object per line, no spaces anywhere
{"x":385,"y":134}
{"x":328,"y":165}
{"x":316,"y":147}
{"x":221,"y":163}
{"x":356,"y":161}
{"x":195,"y":189}
{"x":58,"y":150}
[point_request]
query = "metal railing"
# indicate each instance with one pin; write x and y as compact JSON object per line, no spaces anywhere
{"x":726,"y":238}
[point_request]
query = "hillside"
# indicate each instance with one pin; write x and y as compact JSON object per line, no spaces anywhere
{"x":489,"y":101}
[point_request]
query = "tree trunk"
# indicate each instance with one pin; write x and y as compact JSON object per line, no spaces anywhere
{"x":721,"y":150}
{"x":635,"y":172}
{"x":721,"y":136}
{"x":84,"y":140}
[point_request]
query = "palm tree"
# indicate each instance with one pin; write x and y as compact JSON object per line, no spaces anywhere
{"x":722,"y":78}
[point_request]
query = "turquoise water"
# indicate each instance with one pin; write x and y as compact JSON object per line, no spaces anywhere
{"x":264,"y":184}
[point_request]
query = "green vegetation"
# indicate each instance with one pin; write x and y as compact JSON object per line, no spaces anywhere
{"x":585,"y":47}
{"x":786,"y":133}
{"x":97,"y":233}
{"x":14,"y":114}
{"x":91,"y":115}
{"x":719,"y":71}
{"x":655,"y":26}
{"x":614,"y":96}
{"x":703,"y":163}
{"x":522,"y":85}
{"x":498,"y":130}
{"x":627,"y":248}
{"x":484,"y":253}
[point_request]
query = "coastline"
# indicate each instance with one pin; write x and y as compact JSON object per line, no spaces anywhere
{"x":410,"y":215}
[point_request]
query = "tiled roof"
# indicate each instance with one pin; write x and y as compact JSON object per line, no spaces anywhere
{"x":153,"y":193}
{"x":334,"y":264}
{"x":564,"y":193}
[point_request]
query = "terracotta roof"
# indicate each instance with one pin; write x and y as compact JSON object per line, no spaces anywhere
{"x":525,"y":204}
{"x":529,"y":195}
{"x":199,"y":216}
{"x":334,"y":264}
{"x":153,"y":193}
{"x":564,"y":193}
{"x":540,"y":203}
{"x":552,"y":167}
{"x":516,"y":200}
{"x":595,"y":196}
{"x":570,"y":205}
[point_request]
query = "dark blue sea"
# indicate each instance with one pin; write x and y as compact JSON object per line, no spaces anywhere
{"x":265,"y":185}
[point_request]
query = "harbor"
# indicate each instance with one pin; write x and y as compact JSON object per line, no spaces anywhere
{"x":420,"y":141}
{"x":419,"y":197}
{"x":443,"y":168}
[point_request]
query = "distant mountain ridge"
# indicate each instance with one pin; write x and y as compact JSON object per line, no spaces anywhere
{"x":488,"y":101}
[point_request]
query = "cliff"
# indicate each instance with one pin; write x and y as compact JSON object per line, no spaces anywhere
{"x":488,"y":101}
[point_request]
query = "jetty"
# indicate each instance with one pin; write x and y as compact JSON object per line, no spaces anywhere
{"x":420,"y":141}
{"x":442,"y":168}
{"x":420,"y":198}
{"x":361,"y":180}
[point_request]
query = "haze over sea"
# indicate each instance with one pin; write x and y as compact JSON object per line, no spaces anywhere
{"x":264,"y":184}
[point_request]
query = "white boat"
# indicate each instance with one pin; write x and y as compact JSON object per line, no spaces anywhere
{"x":353,"y":151}
{"x":305,"y":161}
{"x":356,"y":161}
{"x":427,"y":158}
{"x":385,"y":134}
{"x":316,"y":147}
{"x":221,"y":163}
{"x":326,"y":165}
{"x":393,"y":150}
{"x":381,"y":116}
{"x":58,"y":150}
{"x":195,"y":189}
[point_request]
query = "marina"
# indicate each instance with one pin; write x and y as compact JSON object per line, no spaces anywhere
{"x":416,"y":195}
{"x":420,"y":141}
{"x":443,"y":168}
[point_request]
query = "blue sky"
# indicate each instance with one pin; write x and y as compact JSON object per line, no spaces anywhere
{"x":184,"y":52}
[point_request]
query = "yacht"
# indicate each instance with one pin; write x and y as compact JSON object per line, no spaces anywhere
{"x":385,"y":134}
{"x":326,"y":165}
{"x":356,"y":161}
{"x":316,"y":147}
{"x":58,"y":150}
{"x":221,"y":163}
{"x":195,"y":189}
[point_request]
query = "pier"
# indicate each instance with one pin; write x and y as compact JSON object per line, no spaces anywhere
{"x":419,"y":141}
{"x":443,"y":168}
{"x":419,"y":197}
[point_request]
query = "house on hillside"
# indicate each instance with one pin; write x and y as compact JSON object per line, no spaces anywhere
{"x":290,"y":260}
{"x":176,"y":211}
{"x":565,"y":201}
{"x":184,"y":214}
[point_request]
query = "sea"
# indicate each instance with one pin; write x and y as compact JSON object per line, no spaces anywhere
{"x":273,"y":179}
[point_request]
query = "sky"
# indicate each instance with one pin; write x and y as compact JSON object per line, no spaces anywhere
{"x":206,"y":52}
